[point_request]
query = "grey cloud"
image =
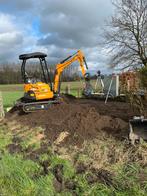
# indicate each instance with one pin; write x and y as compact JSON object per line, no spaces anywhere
{"x":75,"y":25}
{"x":7,"y":39}
{"x":57,"y":54}
{"x":76,"y":41}
{"x":77,"y":22}
{"x":17,"y":5}
{"x":55,"y":39}
{"x":65,"y":26}
{"x":12,"y":39}
{"x":86,"y":11}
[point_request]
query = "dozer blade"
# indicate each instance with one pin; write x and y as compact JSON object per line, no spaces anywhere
{"x":138,"y":129}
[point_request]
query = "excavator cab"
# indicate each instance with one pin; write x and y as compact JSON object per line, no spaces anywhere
{"x":35,"y":89}
{"x":38,"y":94}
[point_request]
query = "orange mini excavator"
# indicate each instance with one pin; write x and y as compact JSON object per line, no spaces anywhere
{"x":38,"y":95}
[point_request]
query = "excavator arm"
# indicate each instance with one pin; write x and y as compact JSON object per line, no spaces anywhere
{"x":78,"y":56}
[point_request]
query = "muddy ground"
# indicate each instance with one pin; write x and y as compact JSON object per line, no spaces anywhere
{"x":77,"y":120}
{"x":92,"y":135}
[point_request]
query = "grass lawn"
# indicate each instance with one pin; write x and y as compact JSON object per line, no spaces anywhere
{"x":11,"y":87}
{"x":11,"y":93}
{"x":9,"y":97}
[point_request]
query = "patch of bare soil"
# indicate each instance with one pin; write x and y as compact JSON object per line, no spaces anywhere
{"x":78,"y":120}
{"x":72,"y":124}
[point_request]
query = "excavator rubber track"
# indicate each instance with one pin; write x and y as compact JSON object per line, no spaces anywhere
{"x":35,"y":106}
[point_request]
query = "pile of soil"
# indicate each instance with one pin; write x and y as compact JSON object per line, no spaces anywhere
{"x":78,"y":120}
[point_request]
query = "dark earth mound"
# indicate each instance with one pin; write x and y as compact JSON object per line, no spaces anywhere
{"x":79,"y":119}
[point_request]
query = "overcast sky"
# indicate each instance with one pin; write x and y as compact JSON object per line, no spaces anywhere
{"x":56,"y":27}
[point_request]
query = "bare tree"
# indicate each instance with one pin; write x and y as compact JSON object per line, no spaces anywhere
{"x":127,"y":33}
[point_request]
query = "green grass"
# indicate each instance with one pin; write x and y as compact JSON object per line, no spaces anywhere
{"x":20,"y":176}
{"x":11,"y":93}
{"x":11,"y":87}
{"x":68,"y":170}
{"x":23,"y":177}
{"x":9,"y":97}
{"x":5,"y":138}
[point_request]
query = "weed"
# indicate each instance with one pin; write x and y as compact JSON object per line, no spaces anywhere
{"x":43,"y":157}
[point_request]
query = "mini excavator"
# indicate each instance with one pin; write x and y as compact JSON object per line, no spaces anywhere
{"x":38,"y":95}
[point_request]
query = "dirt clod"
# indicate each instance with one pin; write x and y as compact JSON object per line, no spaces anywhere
{"x":58,"y":172}
{"x":103,"y":176}
{"x":91,"y":178}
{"x":14,"y":148}
{"x":45,"y":165}
{"x":81,"y":168}
{"x":70,"y":184}
{"x":57,"y":185}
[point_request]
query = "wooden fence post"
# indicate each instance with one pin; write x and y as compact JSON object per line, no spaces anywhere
{"x":78,"y":93}
{"x":67,"y":89}
{"x":2,"y":113}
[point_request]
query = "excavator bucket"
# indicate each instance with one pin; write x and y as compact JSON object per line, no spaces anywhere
{"x":138,"y":129}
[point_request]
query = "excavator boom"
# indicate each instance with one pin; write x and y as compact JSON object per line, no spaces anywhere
{"x":78,"y":56}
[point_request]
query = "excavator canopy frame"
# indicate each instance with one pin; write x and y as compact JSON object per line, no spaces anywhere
{"x":43,"y":64}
